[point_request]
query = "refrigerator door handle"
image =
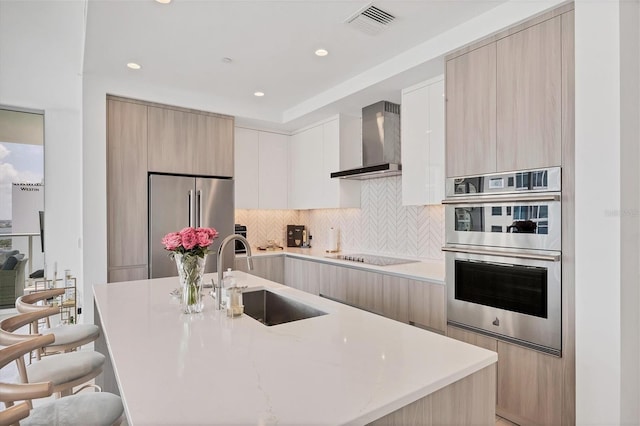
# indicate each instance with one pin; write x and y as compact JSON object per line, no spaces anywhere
{"x":198,"y":208}
{"x":191,"y":210}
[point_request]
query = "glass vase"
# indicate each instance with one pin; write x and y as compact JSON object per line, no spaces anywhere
{"x":190,"y":269}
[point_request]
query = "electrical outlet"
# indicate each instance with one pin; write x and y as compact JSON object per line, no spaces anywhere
{"x":79,"y":311}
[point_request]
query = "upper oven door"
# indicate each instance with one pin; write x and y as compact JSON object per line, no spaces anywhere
{"x":512,"y":221}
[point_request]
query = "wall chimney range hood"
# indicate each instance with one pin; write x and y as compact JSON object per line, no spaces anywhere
{"x":380,"y":143}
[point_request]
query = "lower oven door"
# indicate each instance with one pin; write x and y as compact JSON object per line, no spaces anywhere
{"x":514,"y":295}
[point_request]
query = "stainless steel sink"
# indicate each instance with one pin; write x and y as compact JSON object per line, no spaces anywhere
{"x":272,"y":309}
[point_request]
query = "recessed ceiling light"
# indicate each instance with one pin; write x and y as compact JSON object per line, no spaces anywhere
{"x":164,"y":1}
{"x":133,"y":66}
{"x":321,"y":52}
{"x":258,"y":94}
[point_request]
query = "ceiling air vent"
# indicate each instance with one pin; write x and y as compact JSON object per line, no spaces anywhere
{"x":371,"y":20}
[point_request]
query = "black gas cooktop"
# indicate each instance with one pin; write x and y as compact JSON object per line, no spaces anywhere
{"x":372,"y":259}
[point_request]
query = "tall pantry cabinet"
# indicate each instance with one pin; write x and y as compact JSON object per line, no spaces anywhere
{"x":145,"y":137}
{"x":509,"y":106}
{"x":504,"y":102}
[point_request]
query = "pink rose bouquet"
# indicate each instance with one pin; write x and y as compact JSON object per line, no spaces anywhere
{"x":191,"y":241}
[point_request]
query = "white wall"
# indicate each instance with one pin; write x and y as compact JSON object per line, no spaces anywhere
{"x":607,"y":355}
{"x":630,"y":210}
{"x":41,"y":45}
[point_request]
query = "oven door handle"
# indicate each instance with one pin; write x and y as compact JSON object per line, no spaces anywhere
{"x":514,"y":254}
{"x":483,"y":199}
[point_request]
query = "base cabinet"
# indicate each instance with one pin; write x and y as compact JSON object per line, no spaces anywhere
{"x":401,"y":299}
{"x":267,"y":267}
{"x":303,"y":275}
{"x":529,"y":386}
{"x":529,"y":383}
{"x":427,"y":305}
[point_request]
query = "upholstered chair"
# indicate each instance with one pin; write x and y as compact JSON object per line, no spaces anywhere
{"x":88,"y":408}
{"x":65,"y":371}
{"x":68,"y":336}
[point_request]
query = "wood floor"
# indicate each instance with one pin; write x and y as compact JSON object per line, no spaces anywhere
{"x":503,"y":422}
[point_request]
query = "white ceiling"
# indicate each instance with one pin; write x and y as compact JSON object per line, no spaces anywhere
{"x":181,"y":45}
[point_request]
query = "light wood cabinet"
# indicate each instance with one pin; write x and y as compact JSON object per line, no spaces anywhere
{"x":303,"y":275}
{"x":422,"y":129}
{"x":395,"y":298}
{"x":143,"y":137}
{"x":127,"y":244}
{"x":332,"y":282}
{"x":529,"y":386}
{"x":191,"y":143}
{"x":529,"y":383}
{"x":504,"y":103}
{"x":471,"y":112}
{"x":364,"y":289}
{"x":427,"y":305}
{"x":314,"y":153}
{"x":261,"y":169}
{"x":268,"y":267}
{"x":529,"y":98}
{"x":116,"y":275}
{"x":473,"y":338}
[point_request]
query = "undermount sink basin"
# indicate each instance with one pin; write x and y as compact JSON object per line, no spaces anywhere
{"x":272,"y":309}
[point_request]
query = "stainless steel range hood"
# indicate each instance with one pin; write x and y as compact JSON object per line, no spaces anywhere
{"x":380,"y":143}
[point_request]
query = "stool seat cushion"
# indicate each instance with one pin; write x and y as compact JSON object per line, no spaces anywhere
{"x":68,"y":334}
{"x":101,"y":408}
{"x":64,"y":368}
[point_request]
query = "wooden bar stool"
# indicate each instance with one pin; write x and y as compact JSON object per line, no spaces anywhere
{"x":65,"y":371}
{"x":95,"y":408}
{"x":68,"y":336}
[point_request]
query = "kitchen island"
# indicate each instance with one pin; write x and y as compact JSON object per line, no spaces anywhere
{"x":346,"y":367}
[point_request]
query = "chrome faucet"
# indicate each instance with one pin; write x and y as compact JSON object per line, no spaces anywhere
{"x":224,"y":244}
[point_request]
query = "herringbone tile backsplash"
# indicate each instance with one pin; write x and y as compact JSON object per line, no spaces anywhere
{"x":382,"y":224}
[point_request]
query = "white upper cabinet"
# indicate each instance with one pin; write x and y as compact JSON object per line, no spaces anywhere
{"x":317,"y":151}
{"x":422,"y":130}
{"x":261,"y":163}
{"x":246,"y":168}
{"x":273,"y":171}
{"x":305,"y":178}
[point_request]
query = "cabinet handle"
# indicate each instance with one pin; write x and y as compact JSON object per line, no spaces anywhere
{"x":198,"y":208}
{"x":483,"y":199}
{"x":514,"y":254}
{"x":191,"y":210}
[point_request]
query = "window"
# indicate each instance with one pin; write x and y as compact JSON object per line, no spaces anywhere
{"x":496,"y":211}
{"x":21,"y":182}
{"x":539,"y":179}
{"x":495,"y":228}
{"x":509,"y":211}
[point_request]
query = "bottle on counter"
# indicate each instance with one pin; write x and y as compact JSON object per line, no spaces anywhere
{"x":228,"y":280}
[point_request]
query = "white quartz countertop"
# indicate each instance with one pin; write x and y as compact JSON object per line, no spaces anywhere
{"x":346,"y":367}
{"x":426,"y":270}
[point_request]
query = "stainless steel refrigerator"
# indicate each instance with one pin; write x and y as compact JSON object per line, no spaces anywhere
{"x":176,"y":202}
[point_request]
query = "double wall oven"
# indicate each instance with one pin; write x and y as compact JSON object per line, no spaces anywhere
{"x":503,"y":256}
